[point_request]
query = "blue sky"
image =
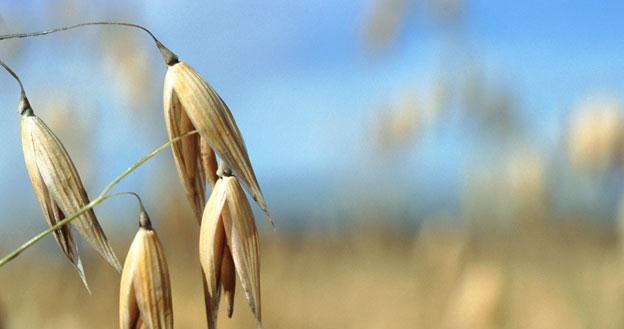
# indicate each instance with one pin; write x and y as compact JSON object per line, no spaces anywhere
{"x":303,"y":88}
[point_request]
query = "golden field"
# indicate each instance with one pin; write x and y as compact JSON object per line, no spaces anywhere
{"x":371,"y":277}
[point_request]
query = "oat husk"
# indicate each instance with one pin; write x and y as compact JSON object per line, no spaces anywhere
{"x":145,"y":289}
{"x":52,"y":213}
{"x":228,"y":279}
{"x":211,"y":245}
{"x":60,"y":191}
{"x":228,"y":244}
{"x":186,"y":153}
{"x":212,"y":118}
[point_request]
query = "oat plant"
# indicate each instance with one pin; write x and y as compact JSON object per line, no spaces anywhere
{"x":202,"y":132}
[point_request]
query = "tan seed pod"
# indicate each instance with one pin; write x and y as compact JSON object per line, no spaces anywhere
{"x":211,"y":245}
{"x":56,"y":182}
{"x":228,"y":242}
{"x":214,"y":121}
{"x":145,"y":289}
{"x":186,"y":153}
{"x":52,"y":213}
{"x":242,"y":237}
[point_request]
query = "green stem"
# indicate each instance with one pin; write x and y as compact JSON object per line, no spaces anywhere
{"x":99,"y":199}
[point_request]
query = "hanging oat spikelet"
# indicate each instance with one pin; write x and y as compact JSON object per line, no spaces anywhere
{"x":145,"y":290}
{"x":59,"y":189}
{"x":228,"y":243}
{"x":211,"y":243}
{"x":52,"y":213}
{"x":242,"y":236}
{"x":186,"y":153}
{"x":213,"y":119}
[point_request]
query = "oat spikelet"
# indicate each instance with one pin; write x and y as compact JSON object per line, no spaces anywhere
{"x":214,"y":121}
{"x":59,"y":189}
{"x":186,"y":153}
{"x":145,"y":290}
{"x":229,"y":244}
{"x":242,"y":237}
{"x":211,"y":245}
{"x":52,"y":213}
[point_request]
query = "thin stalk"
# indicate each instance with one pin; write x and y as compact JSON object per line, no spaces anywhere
{"x":14,"y":75}
{"x":133,"y":194}
{"x":99,"y":199}
{"x":71,"y":27}
{"x":24,"y":104}
{"x":169,"y":57}
{"x":144,"y":221}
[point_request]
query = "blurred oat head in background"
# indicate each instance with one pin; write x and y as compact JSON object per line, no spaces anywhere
{"x":402,"y":122}
{"x":459,"y":99}
{"x":388,"y":18}
{"x":508,"y":172}
{"x":513,"y":191}
{"x":596,"y":135}
{"x":477,"y":298}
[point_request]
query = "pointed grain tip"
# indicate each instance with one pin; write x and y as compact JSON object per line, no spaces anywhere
{"x":270,"y":218}
{"x":81,"y":273}
{"x":144,"y":221}
{"x":168,"y":56}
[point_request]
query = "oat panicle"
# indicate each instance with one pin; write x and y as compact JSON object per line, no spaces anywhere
{"x":209,"y":114}
{"x":60,"y":191}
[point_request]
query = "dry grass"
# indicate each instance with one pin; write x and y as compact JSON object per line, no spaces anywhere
{"x":572,"y":278}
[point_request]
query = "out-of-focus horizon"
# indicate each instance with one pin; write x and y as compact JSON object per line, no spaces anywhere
{"x":438,"y":163}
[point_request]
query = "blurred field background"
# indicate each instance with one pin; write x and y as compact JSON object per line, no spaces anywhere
{"x":430,"y":163}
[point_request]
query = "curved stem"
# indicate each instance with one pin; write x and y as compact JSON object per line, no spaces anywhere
{"x":134,"y":194}
{"x":14,"y":75}
{"x":71,"y":27}
{"x":169,"y":57}
{"x":144,"y":221}
{"x":24,"y":104}
{"x":99,"y":199}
